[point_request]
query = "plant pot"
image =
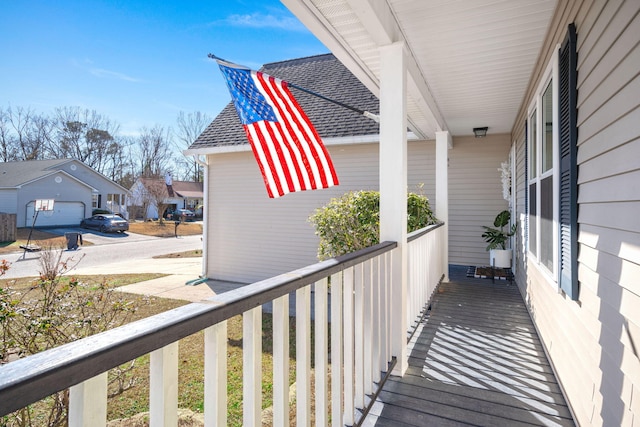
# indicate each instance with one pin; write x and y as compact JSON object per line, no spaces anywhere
{"x":500,"y":258}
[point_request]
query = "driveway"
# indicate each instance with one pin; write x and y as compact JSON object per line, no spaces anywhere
{"x":98,"y":238}
{"x":111,"y":254}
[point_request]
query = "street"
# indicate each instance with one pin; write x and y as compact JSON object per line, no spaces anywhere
{"x":107,"y":250}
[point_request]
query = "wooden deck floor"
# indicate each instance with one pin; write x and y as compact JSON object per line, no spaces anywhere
{"x":476,"y":360}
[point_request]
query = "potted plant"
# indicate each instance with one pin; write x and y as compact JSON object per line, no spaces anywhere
{"x":497,"y":238}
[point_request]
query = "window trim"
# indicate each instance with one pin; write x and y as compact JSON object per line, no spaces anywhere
{"x":550,"y":75}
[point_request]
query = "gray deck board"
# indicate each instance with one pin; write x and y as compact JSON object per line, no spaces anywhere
{"x":475,"y":361}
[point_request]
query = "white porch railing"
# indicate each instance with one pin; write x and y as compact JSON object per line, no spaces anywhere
{"x":350,"y":305}
{"x":425,"y":264}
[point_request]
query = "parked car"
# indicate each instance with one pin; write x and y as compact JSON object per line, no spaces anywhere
{"x":105,"y":211}
{"x":106,"y":223}
{"x":184,"y":214}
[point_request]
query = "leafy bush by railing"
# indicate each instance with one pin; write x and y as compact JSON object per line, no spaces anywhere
{"x":352,"y":222}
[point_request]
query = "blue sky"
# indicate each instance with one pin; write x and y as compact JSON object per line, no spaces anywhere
{"x":139,"y":63}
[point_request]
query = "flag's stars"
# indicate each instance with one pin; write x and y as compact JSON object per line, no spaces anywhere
{"x":250,"y":103}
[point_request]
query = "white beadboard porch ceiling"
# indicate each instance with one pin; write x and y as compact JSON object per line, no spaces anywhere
{"x":469,"y":60}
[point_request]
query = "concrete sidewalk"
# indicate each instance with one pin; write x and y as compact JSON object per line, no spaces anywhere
{"x":179,"y":271}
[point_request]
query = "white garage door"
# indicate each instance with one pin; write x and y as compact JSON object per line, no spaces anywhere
{"x":64,"y":213}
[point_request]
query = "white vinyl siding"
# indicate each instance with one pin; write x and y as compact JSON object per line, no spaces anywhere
{"x":61,"y":188}
{"x":593,"y":342}
{"x":9,"y":201}
{"x":475,"y":195}
{"x":253,"y":237}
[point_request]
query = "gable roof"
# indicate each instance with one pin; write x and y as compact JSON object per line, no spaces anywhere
{"x":18,"y":173}
{"x":188,"y":188}
{"x":184,"y":189}
{"x":15,"y":174}
{"x":322,"y":74}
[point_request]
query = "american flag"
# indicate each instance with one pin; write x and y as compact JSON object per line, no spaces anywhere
{"x":288,"y":149}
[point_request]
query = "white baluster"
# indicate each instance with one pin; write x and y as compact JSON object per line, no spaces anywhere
{"x":88,"y":402}
{"x":336,"y":350}
{"x":163,"y":386}
{"x":215,"y":375}
{"x":252,"y":366}
{"x":281,"y":361}
{"x":303,"y":356}
{"x":348,"y":346}
{"x":321,"y":351}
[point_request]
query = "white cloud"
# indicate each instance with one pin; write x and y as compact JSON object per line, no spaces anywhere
{"x":259,"y":20}
{"x":102,"y":73}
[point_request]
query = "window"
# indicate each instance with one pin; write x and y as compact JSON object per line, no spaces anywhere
{"x":545,"y":218}
{"x":543,"y":173}
{"x":94,"y":201}
{"x":552,"y":170}
{"x":533,"y":183}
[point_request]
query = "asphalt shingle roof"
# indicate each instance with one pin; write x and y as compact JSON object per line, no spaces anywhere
{"x":322,"y":74}
{"x":178,"y":188}
{"x":13,"y":174}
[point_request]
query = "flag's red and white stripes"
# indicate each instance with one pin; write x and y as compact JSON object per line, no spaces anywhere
{"x":290,"y":153}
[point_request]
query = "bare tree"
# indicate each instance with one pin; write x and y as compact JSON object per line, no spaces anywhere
{"x":28,"y":144}
{"x":154,"y":151}
{"x":7,"y":143}
{"x":87,"y":136}
{"x":121,"y":160}
{"x":190,"y":126}
{"x":24,"y":135}
{"x":156,"y":194}
{"x":84,"y":134}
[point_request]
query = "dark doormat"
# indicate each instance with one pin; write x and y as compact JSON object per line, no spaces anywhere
{"x":489,"y":273}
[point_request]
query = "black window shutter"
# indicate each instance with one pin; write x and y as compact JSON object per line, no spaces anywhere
{"x":567,"y":121}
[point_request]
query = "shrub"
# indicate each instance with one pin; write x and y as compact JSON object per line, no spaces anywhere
{"x":53,"y":311}
{"x":352,"y":221}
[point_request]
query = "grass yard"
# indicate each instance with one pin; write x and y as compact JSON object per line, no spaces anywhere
{"x":38,"y":237}
{"x":191,"y":349}
{"x":191,"y":375}
{"x":191,"y":355}
{"x":165,"y":228}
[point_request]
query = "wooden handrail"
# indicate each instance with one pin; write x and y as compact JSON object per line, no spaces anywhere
{"x":28,"y":380}
{"x":421,"y":232}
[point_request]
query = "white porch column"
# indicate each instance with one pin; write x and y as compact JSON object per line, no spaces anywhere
{"x":443,"y":142}
{"x":393,"y":188}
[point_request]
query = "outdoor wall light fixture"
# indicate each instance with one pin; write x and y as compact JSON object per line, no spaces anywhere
{"x":480,"y":132}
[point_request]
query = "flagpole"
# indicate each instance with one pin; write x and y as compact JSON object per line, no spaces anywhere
{"x":372,"y":116}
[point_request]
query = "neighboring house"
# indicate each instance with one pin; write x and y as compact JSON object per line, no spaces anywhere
{"x":145,"y":193}
{"x":240,"y":228}
{"x":75,"y":188}
{"x":563,"y":106}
